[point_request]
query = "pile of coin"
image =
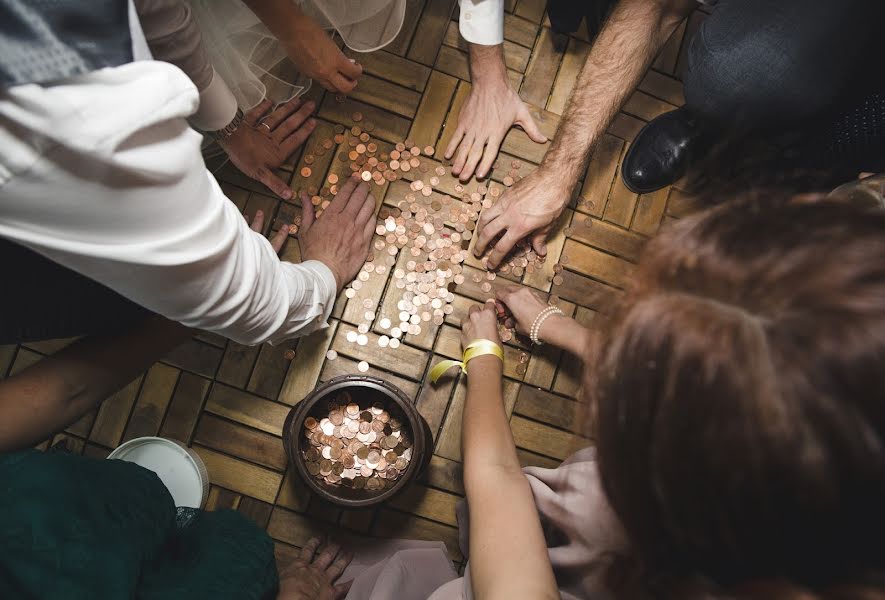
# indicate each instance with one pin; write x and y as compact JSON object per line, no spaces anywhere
{"x":433,"y":228}
{"x":356,"y":446}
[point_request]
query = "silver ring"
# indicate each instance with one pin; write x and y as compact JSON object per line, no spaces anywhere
{"x":265,"y":125}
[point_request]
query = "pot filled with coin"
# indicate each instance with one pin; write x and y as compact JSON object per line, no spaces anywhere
{"x":357,"y":440}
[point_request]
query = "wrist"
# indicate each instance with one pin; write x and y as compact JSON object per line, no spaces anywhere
{"x":566,"y":160}
{"x":328,"y":269}
{"x":552,"y":329}
{"x":487,"y":65}
{"x":486,"y":363}
{"x":339,"y":279}
{"x":558,"y":181}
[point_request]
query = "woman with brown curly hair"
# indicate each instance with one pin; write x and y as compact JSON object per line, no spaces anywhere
{"x":738,"y":395}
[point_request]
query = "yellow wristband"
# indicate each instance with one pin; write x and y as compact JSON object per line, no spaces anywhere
{"x":473,"y":349}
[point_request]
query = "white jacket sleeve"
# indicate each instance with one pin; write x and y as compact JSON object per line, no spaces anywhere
{"x":482,"y":21}
{"x":174,"y":37}
{"x":102,"y":174}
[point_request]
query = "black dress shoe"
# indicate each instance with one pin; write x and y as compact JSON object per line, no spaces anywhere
{"x":662,"y":151}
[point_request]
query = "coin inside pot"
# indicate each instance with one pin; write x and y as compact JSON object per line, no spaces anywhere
{"x":357,"y":440}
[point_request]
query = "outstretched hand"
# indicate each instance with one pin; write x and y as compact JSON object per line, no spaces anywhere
{"x":267,"y":138}
{"x":488,"y":114}
{"x":492,"y":108}
{"x":341,"y":238}
{"x":313,"y":574}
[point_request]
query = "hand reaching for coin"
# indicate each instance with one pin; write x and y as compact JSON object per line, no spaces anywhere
{"x":266,"y":139}
{"x":317,"y":56}
{"x":522,"y":304}
{"x":341,"y":238}
{"x":529,"y":208}
{"x":313,"y":574}
{"x":480,"y":324}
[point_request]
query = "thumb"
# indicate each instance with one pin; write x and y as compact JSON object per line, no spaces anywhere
{"x":539,"y":243}
{"x":308,"y":215}
{"x":276,"y":185}
{"x":525,"y":120}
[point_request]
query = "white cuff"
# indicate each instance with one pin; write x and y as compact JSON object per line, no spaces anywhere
{"x":482,"y":21}
{"x":328,"y":278}
{"x":218,"y":106}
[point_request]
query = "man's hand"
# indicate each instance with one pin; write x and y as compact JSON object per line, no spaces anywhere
{"x":313,"y":574}
{"x":279,"y":238}
{"x":263,"y":142}
{"x":341,"y":238}
{"x":490,"y":110}
{"x":317,"y":56}
{"x":529,"y":208}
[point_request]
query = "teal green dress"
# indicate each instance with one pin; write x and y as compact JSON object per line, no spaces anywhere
{"x":73,"y":527}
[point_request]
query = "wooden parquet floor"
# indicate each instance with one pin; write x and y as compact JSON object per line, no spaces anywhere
{"x":229,"y":401}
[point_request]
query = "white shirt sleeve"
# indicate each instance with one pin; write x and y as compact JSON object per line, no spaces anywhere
{"x":218,"y":106}
{"x":482,"y":21}
{"x":102,"y":174}
{"x":174,"y":37}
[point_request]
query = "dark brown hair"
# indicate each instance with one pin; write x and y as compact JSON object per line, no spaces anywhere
{"x":740,"y":402}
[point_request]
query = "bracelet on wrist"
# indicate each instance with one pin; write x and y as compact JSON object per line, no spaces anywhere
{"x":535,"y":331}
{"x":476,"y":348}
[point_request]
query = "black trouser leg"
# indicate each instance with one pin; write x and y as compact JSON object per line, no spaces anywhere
{"x":44,"y":300}
{"x":566,"y":15}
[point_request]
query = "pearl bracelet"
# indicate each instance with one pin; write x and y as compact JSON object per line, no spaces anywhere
{"x":539,"y":320}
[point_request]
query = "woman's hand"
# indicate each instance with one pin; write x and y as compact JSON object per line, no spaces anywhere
{"x":480,"y":324}
{"x":312,"y":576}
{"x":317,"y":56}
{"x":557,"y":330}
{"x":524,"y":306}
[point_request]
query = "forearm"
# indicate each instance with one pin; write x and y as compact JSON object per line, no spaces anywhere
{"x":50,"y":395}
{"x":282,"y":17}
{"x":487,"y":65}
{"x":166,"y":237}
{"x":487,"y":442}
{"x":566,"y":333}
{"x":506,"y":561}
{"x":625,"y":47}
{"x":174,"y":37}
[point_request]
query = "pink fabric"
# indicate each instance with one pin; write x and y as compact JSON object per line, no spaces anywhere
{"x":401,"y":569}
{"x":580,"y":526}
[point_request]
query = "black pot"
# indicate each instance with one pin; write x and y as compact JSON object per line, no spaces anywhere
{"x":364,"y":390}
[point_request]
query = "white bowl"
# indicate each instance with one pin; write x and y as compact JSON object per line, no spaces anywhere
{"x":180,"y":469}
